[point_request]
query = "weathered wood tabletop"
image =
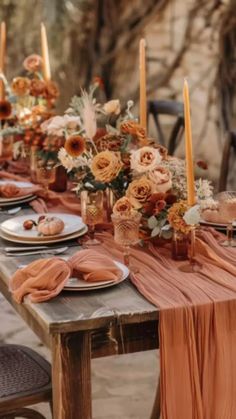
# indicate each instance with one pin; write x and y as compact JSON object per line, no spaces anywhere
{"x":80,"y":325}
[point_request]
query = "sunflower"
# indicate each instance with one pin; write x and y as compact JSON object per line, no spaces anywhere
{"x":75,"y":145}
{"x":5,"y":109}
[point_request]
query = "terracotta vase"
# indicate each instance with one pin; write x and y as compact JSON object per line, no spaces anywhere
{"x":179,"y":246}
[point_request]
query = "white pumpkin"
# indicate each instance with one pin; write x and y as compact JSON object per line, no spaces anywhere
{"x":50,"y":226}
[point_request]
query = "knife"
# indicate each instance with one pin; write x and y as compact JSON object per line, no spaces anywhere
{"x":26,"y":248}
{"x":38,"y":252}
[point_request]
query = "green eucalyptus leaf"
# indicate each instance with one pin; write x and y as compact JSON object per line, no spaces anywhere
{"x":152,"y":222}
{"x":156,"y":231}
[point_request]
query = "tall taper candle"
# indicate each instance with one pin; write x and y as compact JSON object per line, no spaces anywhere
{"x":188,"y":147}
{"x":143,"y":87}
{"x":2,"y":46}
{"x":45,"y":54}
{"x":2,"y":90}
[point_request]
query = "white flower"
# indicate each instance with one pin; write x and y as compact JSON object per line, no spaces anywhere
{"x":71,"y":163}
{"x":192,"y":215}
{"x":204,"y":189}
{"x":145,"y":159}
{"x":58,"y":124}
{"x":113,"y":106}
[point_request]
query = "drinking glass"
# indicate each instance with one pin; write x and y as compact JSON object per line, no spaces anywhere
{"x":92,"y":213}
{"x":227,"y":211}
{"x":126,"y":233}
{"x":45,"y":175}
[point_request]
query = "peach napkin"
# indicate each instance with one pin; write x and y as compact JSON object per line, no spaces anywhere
{"x":45,"y":278}
{"x":10,"y":190}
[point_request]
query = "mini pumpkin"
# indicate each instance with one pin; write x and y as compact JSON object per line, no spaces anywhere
{"x":50,"y":226}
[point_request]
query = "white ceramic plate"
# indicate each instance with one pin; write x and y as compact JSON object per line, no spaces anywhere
{"x":75,"y":284}
{"x":20,"y":200}
{"x":48,"y":240}
{"x":14,"y":226}
{"x":20,"y":185}
{"x":216,"y":225}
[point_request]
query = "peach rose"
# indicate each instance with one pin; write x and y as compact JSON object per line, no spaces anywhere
{"x":106,"y":166}
{"x":140,"y":191}
{"x":144,"y":159}
{"x":123,"y":207}
{"x":21,"y":86}
{"x":113,"y":106}
{"x":32,"y":63}
{"x":161,"y":177}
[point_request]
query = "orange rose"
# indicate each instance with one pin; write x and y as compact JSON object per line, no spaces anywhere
{"x":21,"y":86}
{"x":37,"y":87}
{"x":32,"y":63}
{"x":106,"y":166}
{"x":140,"y":191}
{"x":51,"y":90}
{"x":123,"y":207}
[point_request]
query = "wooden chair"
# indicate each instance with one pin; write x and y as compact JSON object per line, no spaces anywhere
{"x":171,"y":108}
{"x":229,"y":147}
{"x":25,"y":380}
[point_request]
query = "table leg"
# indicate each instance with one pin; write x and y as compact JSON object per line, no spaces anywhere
{"x":156,"y":410}
{"x":71,"y":376}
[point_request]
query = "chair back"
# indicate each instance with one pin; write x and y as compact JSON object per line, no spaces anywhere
{"x":228,"y":150}
{"x":171,"y":108}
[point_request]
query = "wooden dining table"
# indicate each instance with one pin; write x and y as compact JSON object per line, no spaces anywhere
{"x":78,"y":326}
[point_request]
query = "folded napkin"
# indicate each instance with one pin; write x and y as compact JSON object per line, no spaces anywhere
{"x":45,"y":278}
{"x":10,"y":190}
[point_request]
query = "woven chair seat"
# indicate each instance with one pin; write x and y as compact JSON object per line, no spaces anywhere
{"x":24,"y":378}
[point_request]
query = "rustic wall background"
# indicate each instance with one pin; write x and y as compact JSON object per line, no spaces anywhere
{"x":192,"y":38}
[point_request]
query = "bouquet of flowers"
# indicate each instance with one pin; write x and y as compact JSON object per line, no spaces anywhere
{"x":108,"y":148}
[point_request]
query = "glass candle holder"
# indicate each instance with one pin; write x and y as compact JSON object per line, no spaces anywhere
{"x":126,"y":233}
{"x":179,"y":245}
{"x":45,"y":175}
{"x":92,"y":213}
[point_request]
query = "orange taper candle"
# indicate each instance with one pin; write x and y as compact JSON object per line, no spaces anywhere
{"x":2,"y":90}
{"x":143,"y":87}
{"x":2,"y":46}
{"x":45,"y":54}
{"x":188,"y":147}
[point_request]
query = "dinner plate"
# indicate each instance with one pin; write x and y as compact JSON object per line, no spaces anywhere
{"x":75,"y":284}
{"x":222,"y":226}
{"x":20,"y":185}
{"x":14,"y":226}
{"x":20,"y":200}
{"x":47,"y":240}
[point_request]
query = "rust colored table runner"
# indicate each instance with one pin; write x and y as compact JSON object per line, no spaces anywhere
{"x":197,"y":327}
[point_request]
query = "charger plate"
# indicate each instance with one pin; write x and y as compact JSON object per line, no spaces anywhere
{"x":219,"y":226}
{"x":47,"y":240}
{"x":4,"y":200}
{"x":75,"y":284}
{"x":14,"y":226}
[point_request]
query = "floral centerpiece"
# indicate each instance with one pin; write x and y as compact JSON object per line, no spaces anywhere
{"x":109,"y":149}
